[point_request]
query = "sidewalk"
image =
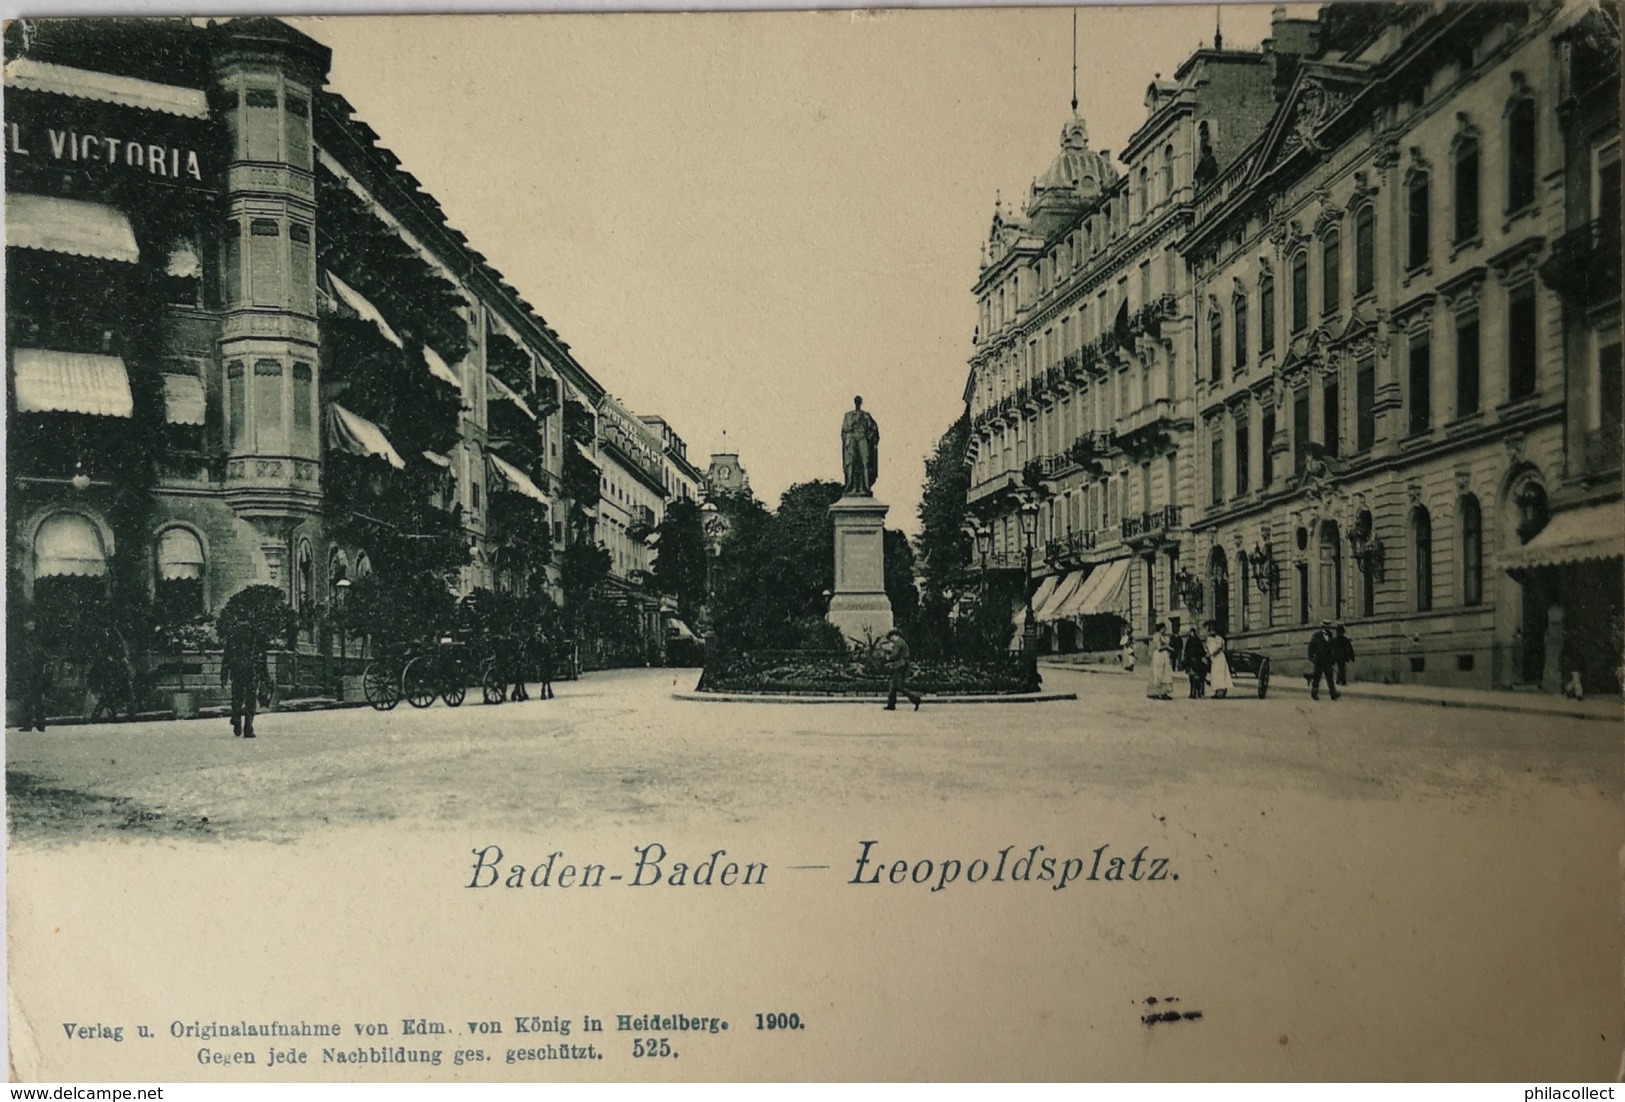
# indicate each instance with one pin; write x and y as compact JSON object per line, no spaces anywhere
{"x":1605,"y":709}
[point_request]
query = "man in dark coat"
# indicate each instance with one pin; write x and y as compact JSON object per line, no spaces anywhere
{"x":895,"y":652}
{"x":1343,"y":652}
{"x":1322,"y":660}
{"x":243,"y":669}
{"x":1193,"y":661}
{"x":36,"y":677}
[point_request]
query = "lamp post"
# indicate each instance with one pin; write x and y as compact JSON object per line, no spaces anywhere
{"x":712,"y":524}
{"x":1029,"y":531}
{"x":1266,"y":572}
{"x":341,"y":590}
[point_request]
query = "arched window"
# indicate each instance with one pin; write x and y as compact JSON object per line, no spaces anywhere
{"x":1300,"y":291}
{"x":1266,"y":314}
{"x":1145,"y":190}
{"x":1416,"y":215}
{"x":1238,"y":315}
{"x":1331,"y":273}
{"x":1472,"y":551}
{"x":1520,"y":152}
{"x":1215,"y":346}
{"x":178,"y":592}
{"x":1167,"y":171}
{"x":1365,"y":250}
{"x":1362,"y":540}
{"x":304,"y":569}
{"x":1464,"y":166}
{"x":338,"y":570}
{"x":1422,"y":558}
{"x":1218,"y":584}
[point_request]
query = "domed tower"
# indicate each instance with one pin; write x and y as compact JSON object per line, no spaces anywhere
{"x":1072,"y":182}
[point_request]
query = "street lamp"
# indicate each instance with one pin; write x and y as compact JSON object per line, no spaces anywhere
{"x":80,"y":480}
{"x":1266,"y":571}
{"x":1029,"y":531}
{"x":712,"y":524}
{"x":341,"y":590}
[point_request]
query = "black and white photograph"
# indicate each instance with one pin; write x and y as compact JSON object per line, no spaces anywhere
{"x":981,"y":544}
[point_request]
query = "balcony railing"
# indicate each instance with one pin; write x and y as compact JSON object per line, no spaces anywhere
{"x":1154,"y":523}
{"x":1584,"y":264}
{"x":1073,"y":543}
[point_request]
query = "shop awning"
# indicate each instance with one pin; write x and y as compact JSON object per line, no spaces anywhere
{"x":26,"y":74}
{"x":437,"y":459}
{"x":359,"y":436}
{"x":1044,"y":594}
{"x":680,"y":630}
{"x":518,"y":479}
{"x":439,"y":369}
{"x":1578,"y":535}
{"x":1108,"y":592}
{"x":1064,"y":591}
{"x":356,"y":301}
{"x":506,"y":393}
{"x":184,"y":403}
{"x":585,"y":453}
{"x":180,"y":556}
{"x":69,"y":226}
{"x":68,"y":544}
{"x":71,"y":382}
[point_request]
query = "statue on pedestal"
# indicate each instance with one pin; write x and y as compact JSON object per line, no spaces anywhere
{"x":860,"y":450}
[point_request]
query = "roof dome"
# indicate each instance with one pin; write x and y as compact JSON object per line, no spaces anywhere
{"x":1077,"y":168}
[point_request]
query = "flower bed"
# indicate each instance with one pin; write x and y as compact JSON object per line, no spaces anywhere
{"x":864,"y":674}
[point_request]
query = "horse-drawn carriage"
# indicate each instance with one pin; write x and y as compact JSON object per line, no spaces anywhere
{"x":1246,"y":663}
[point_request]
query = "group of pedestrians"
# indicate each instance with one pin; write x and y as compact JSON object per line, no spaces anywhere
{"x":1330,"y":652}
{"x":1200,"y":657}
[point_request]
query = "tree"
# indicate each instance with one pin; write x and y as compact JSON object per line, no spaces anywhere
{"x":943,"y":550}
{"x":256,"y":619}
{"x":679,"y":568}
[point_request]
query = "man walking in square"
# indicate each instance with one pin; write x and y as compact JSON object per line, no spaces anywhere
{"x":1323,"y":660}
{"x":895,"y":652}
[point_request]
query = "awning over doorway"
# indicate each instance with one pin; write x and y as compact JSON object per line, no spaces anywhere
{"x":1064,"y":591}
{"x":70,"y":226}
{"x":1044,"y":595}
{"x":359,"y":436}
{"x":1104,"y":593}
{"x":67,"y":544}
{"x":1578,"y":535}
{"x":63,"y":80}
{"x":180,"y":556}
{"x":184,"y":402}
{"x":518,"y":479}
{"x":47,"y":381}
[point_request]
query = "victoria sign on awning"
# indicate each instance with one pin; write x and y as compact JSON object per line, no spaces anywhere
{"x":47,"y":381}
{"x":69,"y":226}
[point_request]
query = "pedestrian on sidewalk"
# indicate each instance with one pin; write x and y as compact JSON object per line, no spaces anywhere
{"x":1323,"y":660}
{"x":1195,"y":663}
{"x":36,"y":671}
{"x":243,"y":669}
{"x":894,"y":651}
{"x":1218,"y":665}
{"x":1344,"y":653}
{"x":1160,"y":686}
{"x":1126,"y":645}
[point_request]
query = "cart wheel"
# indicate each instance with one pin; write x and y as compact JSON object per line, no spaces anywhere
{"x":1263,"y":680}
{"x":454,"y":693}
{"x":492,"y":691}
{"x":382,"y":690}
{"x":418,"y":682}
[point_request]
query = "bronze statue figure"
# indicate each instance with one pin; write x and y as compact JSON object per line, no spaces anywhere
{"x":860,"y":450}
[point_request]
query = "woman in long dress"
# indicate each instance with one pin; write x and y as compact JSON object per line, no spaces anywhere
{"x":1218,"y":676}
{"x":1161,"y":684}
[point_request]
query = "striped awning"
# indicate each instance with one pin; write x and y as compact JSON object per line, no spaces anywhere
{"x":1107,"y":593}
{"x":67,"y":544}
{"x":437,"y":459}
{"x":184,"y":401}
{"x":1044,"y":594}
{"x":180,"y":556}
{"x":47,"y":381}
{"x":359,"y":436}
{"x":1579,"y":535}
{"x":70,"y":226}
{"x":585,"y":452}
{"x":506,"y":393}
{"x":29,"y":75}
{"x":518,"y":479}
{"x":358,"y":302}
{"x":439,"y":369}
{"x":1059,"y":597}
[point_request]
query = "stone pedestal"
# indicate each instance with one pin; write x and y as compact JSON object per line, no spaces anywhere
{"x":859,"y":606}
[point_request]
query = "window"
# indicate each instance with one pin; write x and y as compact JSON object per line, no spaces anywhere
{"x":1522,"y":358}
{"x":1422,"y":558}
{"x":1365,"y":250}
{"x":1472,"y":551}
{"x":265,"y":261}
{"x":1605,"y":397}
{"x":1466,"y":198}
{"x":1238,"y":309}
{"x":1145,"y":190}
{"x":1300,"y":292}
{"x":1215,"y":346}
{"x":1167,"y":171}
{"x":1365,"y":405}
{"x":301,"y":269}
{"x":303,"y":401}
{"x":296,"y":130}
{"x":231,"y":264}
{"x":1416,"y":213}
{"x":1300,"y":429}
{"x":1331,"y":273}
{"x":1331,"y":417}
{"x":261,"y":142}
{"x":1145,"y":282}
{"x":1218,"y":468}
{"x":1266,"y":314}
{"x":268,"y":406}
{"x":1266,"y":446}
{"x":1243,"y":459}
{"x":236,"y":403}
{"x":1605,"y":197}
{"x":1420,"y":384}
{"x":178,"y":590}
{"x":1520,"y":153}
{"x":1467,"y":365}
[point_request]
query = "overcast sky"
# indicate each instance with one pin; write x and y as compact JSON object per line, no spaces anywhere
{"x":739,"y":221}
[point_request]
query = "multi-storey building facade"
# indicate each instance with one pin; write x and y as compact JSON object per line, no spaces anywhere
{"x":725,"y":476}
{"x":245,"y":346}
{"x":683,"y":480}
{"x":1080,"y":388}
{"x":1381,"y":394}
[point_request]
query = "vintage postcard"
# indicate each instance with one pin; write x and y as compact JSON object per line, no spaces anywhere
{"x":987,"y":544}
